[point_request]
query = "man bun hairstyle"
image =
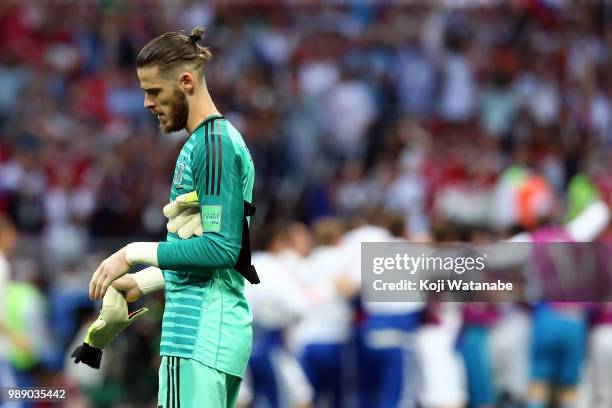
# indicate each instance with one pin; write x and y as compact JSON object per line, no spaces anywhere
{"x":197,"y":35}
{"x":175,"y":49}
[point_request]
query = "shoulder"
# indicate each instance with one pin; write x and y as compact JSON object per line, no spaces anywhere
{"x":210,"y":141}
{"x":242,"y":153}
{"x":233,"y":136}
{"x":220,"y":143}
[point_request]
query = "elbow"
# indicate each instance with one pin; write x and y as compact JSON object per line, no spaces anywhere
{"x":227,"y":256}
{"x":231,"y":256}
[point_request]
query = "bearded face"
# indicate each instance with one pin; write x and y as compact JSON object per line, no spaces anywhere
{"x":164,"y":100}
{"x":174,"y":113}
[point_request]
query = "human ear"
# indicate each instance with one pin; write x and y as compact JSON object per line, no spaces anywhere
{"x":187,"y":82}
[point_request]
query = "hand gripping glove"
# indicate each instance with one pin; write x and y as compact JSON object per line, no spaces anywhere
{"x":184,"y":216}
{"x":113,"y":319}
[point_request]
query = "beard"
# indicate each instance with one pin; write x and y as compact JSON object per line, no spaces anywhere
{"x":179,"y":111}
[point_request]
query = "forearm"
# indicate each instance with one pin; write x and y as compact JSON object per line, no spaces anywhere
{"x":150,"y":280}
{"x":207,"y":252}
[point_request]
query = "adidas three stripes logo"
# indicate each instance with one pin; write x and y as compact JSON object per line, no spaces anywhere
{"x":214,"y":158}
{"x":173,"y":383}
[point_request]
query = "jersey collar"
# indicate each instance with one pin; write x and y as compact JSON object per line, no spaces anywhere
{"x":207,"y":120}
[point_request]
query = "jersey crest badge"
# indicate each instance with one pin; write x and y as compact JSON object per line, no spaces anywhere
{"x":178,"y":176}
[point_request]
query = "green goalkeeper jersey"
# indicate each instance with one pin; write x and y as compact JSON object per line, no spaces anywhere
{"x":206,"y":317}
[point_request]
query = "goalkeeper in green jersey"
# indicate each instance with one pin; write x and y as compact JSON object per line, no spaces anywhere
{"x":206,"y":330}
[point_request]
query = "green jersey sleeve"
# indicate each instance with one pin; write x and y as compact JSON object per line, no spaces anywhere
{"x":218,"y":178}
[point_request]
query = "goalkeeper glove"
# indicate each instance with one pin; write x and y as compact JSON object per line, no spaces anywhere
{"x":113,"y":319}
{"x":184,"y":216}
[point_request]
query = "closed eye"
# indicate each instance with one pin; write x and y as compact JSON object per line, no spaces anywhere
{"x":152,"y":91}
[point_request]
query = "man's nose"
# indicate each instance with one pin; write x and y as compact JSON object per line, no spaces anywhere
{"x":148,"y":103}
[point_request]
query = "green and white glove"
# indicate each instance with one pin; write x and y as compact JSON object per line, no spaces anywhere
{"x":113,"y":319}
{"x":184,"y":216}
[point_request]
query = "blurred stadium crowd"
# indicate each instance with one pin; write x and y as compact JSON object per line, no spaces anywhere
{"x":425,"y":117}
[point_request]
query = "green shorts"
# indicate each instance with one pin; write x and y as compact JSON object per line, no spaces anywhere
{"x":187,"y":383}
